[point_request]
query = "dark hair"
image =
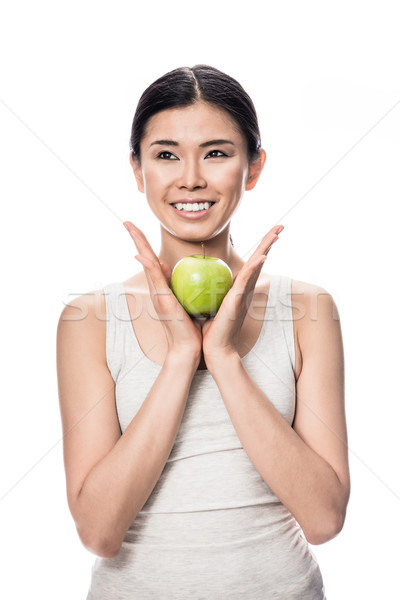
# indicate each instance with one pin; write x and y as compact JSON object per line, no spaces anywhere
{"x":185,"y":86}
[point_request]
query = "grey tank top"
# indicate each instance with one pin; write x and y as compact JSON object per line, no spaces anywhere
{"x":211,"y":529}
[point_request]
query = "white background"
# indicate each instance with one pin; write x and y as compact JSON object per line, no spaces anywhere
{"x":324,"y":79}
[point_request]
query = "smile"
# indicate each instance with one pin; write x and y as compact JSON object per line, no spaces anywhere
{"x":193,"y":206}
{"x":193,"y":210}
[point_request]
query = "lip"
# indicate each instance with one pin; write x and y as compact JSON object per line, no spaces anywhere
{"x":191,"y":200}
{"x":186,"y":214}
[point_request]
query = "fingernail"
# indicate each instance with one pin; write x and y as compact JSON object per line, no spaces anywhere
{"x":126,"y":226}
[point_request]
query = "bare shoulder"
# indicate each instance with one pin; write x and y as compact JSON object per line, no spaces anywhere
{"x":315,"y":319}
{"x":311,"y":301}
{"x":88,"y":309}
{"x":92,"y":304}
{"x":91,"y":300}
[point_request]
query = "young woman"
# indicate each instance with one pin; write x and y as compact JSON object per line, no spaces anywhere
{"x":202,"y":457}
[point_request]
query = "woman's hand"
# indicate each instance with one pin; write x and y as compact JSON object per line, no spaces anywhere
{"x":183,"y":334}
{"x":221,"y":334}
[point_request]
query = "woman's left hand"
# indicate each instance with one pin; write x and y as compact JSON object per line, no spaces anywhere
{"x":221,"y":334}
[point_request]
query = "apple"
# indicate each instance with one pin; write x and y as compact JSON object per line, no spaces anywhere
{"x":200,"y":283}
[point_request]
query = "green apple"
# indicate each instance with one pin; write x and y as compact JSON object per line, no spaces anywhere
{"x":200,"y":283}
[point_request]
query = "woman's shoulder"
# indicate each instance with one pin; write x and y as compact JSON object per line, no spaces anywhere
{"x":313,"y":308}
{"x":96,"y":299}
{"x":307,"y":288}
{"x":310,"y":296}
{"x":304,"y":295}
{"x":93,"y":302}
{"x":298,"y":286}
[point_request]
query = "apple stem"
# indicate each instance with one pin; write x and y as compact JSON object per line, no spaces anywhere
{"x":204,"y":249}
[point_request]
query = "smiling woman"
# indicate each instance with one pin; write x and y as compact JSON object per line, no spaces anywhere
{"x":193,"y":168}
{"x":218,"y":451}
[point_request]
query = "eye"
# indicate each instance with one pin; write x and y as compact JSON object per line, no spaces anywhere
{"x":166,"y":157}
{"x":215,"y":156}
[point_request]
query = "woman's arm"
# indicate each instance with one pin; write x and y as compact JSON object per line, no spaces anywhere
{"x":110,"y":476}
{"x":305,"y":466}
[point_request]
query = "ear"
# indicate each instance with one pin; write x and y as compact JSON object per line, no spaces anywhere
{"x":255,"y":169}
{"x":137,"y":171}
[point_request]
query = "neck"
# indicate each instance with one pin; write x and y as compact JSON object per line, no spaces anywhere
{"x":173,"y":249}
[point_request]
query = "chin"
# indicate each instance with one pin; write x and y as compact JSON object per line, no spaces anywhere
{"x":193,"y":233}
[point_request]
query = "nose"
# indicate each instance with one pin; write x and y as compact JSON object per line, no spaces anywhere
{"x":191,"y":176}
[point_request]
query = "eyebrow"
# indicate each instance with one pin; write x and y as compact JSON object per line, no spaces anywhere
{"x":203,"y":145}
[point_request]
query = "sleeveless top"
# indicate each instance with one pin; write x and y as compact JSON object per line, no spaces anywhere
{"x":211,"y":528}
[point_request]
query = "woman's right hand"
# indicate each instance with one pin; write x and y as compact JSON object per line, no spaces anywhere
{"x":184,"y":335}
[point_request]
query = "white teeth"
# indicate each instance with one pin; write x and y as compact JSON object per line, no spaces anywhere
{"x":193,"y":206}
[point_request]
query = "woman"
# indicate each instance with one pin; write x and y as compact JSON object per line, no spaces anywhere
{"x":202,"y":456}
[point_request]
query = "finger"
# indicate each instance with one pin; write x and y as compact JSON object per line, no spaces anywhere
{"x":136,"y":233}
{"x":248,"y":275}
{"x":146,"y":255}
{"x":271,"y":237}
{"x":146,"y":263}
{"x":166,"y":269}
{"x":257,"y":268}
{"x":141,"y":242}
{"x":254,"y":265}
{"x":160,"y":292}
{"x":154,"y":271}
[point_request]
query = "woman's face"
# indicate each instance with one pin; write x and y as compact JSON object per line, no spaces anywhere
{"x":195,"y":153}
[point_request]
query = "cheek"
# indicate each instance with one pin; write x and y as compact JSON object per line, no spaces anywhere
{"x":156,"y":180}
{"x":231,"y":178}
